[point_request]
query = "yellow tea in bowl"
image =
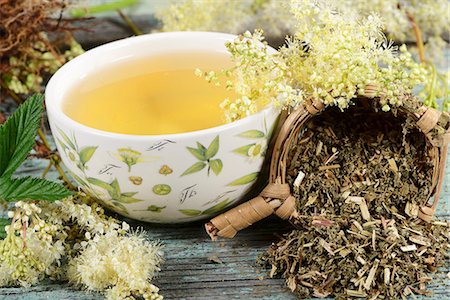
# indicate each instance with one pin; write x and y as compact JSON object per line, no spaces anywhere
{"x":158,"y":95}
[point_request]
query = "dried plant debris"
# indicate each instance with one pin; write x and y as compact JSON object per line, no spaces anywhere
{"x":359,"y":178}
{"x":27,"y":52}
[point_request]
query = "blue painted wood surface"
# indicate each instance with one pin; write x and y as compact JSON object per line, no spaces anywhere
{"x":188,"y":273}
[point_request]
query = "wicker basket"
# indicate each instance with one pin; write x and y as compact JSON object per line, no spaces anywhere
{"x":276,"y":197}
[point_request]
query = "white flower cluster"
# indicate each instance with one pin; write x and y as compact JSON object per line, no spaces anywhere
{"x":333,"y":56}
{"x":28,"y":253}
{"x":119,"y":265}
{"x":74,"y":240}
{"x":337,"y":49}
{"x":204,"y":15}
{"x":259,"y":77}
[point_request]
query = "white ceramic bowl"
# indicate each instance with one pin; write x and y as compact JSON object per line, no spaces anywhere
{"x":155,"y":178}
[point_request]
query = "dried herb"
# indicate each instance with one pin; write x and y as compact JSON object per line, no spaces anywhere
{"x":358,"y":178}
{"x":27,"y":52}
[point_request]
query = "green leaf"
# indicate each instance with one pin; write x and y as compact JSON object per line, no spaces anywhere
{"x":66,"y":139}
{"x":155,"y":208}
{"x":28,"y":188}
{"x":115,"y":193}
{"x":198,"y":166}
{"x":61,"y":143}
{"x":81,"y":12}
{"x":3,"y":222}
{"x":199,"y":154}
{"x":17,"y":134}
{"x":213,"y":148}
{"x":243,"y":150}
{"x":120,"y":206}
{"x":217,"y":208}
{"x":252,"y":134}
{"x":101,"y":184}
{"x":201,"y":147}
{"x":129,"y":194}
{"x":128,"y":200}
{"x":190,"y":212}
{"x":244,"y":179}
{"x":78,"y":179}
{"x":86,"y":154}
{"x":216,"y":165}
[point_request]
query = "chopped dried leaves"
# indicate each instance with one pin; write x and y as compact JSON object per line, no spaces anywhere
{"x":359,"y":177}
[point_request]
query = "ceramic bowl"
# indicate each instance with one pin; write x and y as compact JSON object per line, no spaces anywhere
{"x":158,"y":178}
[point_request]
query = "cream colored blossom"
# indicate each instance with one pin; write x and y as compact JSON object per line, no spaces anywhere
{"x":75,"y":234}
{"x":123,"y":265}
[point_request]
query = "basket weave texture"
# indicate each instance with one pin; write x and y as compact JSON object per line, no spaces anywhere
{"x":276,"y":197}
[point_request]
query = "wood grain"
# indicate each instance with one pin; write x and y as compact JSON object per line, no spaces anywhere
{"x":188,"y":273}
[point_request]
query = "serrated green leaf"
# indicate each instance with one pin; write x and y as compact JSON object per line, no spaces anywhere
{"x":17,"y":134}
{"x":198,"y":166}
{"x":86,"y":154}
{"x":3,"y":222}
{"x":243,"y":150}
{"x":28,"y":188}
{"x":100,"y":183}
{"x":244,"y":179}
{"x":190,"y":212}
{"x":213,"y":148}
{"x":155,"y":208}
{"x":216,"y":165}
{"x":217,"y":208}
{"x":252,"y":134}
{"x":199,"y":154}
{"x":66,"y":139}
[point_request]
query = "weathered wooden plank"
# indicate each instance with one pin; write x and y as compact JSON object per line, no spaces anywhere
{"x":189,"y":274}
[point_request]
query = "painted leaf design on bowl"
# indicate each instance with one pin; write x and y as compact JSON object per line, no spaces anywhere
{"x":205,"y":155}
{"x":210,"y":211}
{"x":249,"y":178}
{"x":114,"y":191}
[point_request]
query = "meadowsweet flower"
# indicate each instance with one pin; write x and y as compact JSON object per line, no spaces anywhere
{"x":123,"y":265}
{"x":333,"y":56}
{"x":27,"y":254}
{"x":75,"y":234}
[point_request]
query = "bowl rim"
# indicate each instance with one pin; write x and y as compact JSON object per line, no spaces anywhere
{"x":55,"y":111}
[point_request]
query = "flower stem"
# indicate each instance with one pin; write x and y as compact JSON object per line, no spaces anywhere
{"x":418,"y":34}
{"x":43,"y":139}
{"x":56,"y":160}
{"x":129,"y":22}
{"x":45,"y":172}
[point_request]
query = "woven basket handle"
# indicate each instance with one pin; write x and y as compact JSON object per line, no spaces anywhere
{"x":276,"y":196}
{"x":427,"y":120}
